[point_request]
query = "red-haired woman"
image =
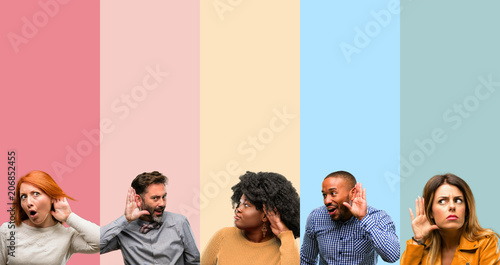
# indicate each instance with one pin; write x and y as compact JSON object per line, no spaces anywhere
{"x":38,"y":235}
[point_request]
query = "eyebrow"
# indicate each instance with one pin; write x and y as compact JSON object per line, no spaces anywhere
{"x":443,"y":196}
{"x":330,"y":189}
{"x":34,"y":190}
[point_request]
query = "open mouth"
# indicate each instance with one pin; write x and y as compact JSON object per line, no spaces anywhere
{"x":331,"y":210}
{"x":32,"y":213}
{"x":159,"y":211}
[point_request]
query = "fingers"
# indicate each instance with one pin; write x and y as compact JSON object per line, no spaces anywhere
{"x":272,"y":216}
{"x":131,"y":195}
{"x":347,"y":205}
{"x":417,"y":211}
{"x":270,"y":212}
{"x":128,"y":195}
{"x":411,"y":215}
{"x":57,"y":203}
{"x":421,"y":206}
{"x":434,"y":227}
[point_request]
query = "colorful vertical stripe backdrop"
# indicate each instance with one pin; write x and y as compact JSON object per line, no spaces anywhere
{"x":349,"y":95}
{"x":49,"y":102}
{"x":395,"y":92}
{"x":250,"y":99}
{"x":450,"y":103}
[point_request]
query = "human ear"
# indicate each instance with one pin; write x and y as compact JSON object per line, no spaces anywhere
{"x":138,"y":200}
{"x":352,"y":193}
{"x":263,"y":216}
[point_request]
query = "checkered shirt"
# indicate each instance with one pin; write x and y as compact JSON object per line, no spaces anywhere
{"x":350,"y":242}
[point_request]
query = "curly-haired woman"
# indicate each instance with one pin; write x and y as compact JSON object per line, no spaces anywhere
{"x":267,"y":218}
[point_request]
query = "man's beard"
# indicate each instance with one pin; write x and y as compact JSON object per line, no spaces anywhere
{"x":151,"y":211}
{"x":342,"y":211}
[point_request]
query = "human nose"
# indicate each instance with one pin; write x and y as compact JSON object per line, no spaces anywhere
{"x":29,"y":201}
{"x":452,"y":205}
{"x":163,"y":202}
{"x":237,"y":209}
{"x":327,"y":200}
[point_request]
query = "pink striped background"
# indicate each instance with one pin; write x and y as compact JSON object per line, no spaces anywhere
{"x":49,"y":80}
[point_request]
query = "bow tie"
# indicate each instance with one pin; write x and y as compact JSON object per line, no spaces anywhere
{"x":145,"y":228}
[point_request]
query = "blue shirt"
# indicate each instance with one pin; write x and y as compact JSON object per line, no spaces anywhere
{"x":350,"y":242}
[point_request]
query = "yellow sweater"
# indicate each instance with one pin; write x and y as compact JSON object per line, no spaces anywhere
{"x":229,"y":247}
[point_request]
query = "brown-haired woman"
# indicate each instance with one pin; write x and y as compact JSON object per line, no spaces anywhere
{"x":38,"y":235}
{"x":446,"y":229}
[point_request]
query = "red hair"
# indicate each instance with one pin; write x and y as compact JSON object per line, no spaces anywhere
{"x":42,"y":181}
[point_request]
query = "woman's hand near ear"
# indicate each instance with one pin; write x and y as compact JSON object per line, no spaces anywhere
{"x":61,"y":209}
{"x":277,"y":226}
{"x":419,"y":223}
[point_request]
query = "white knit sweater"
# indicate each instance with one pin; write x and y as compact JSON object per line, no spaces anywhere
{"x":52,"y":245}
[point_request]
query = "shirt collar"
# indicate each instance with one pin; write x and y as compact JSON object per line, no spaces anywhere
{"x":467,"y":245}
{"x":347,"y":222}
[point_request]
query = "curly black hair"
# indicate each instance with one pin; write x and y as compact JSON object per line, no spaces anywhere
{"x":275,"y":192}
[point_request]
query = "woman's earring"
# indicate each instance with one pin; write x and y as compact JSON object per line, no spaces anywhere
{"x":264,"y":229}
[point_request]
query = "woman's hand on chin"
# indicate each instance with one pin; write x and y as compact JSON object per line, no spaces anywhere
{"x":61,"y":209}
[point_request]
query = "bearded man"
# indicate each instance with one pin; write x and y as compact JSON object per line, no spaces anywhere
{"x":346,"y":230}
{"x":146,"y":234}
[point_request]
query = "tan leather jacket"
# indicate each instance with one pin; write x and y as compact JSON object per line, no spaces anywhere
{"x":484,"y":252}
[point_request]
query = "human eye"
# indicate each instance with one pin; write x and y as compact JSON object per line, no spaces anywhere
{"x":23,"y":196}
{"x":36,"y":193}
{"x":334,"y":193}
{"x":458,"y":200}
{"x":441,"y":201}
{"x":324,"y":195}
